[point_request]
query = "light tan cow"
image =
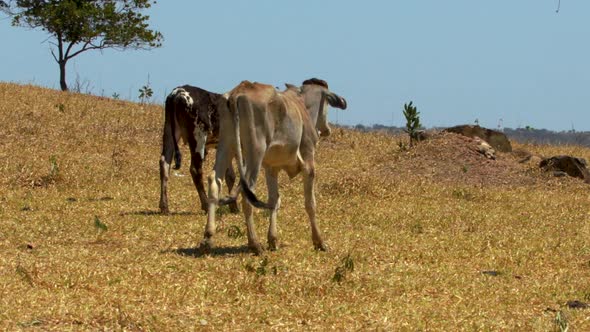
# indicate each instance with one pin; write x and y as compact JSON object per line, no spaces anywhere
{"x":263,"y":127}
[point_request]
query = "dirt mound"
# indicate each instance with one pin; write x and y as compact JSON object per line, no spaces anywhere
{"x":496,"y":139}
{"x":454,"y":158}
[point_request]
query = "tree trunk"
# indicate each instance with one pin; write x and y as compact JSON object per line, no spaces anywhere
{"x":62,"y":75}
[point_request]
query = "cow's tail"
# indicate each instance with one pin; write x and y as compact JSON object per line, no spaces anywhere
{"x":237,"y":103}
{"x":170,"y":144}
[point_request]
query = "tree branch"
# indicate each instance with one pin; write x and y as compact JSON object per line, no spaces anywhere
{"x":85,"y":48}
{"x":54,"y":57}
{"x":67,"y":54}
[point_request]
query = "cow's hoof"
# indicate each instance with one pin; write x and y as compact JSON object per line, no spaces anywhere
{"x":273,"y":245}
{"x":320,"y":246}
{"x":233,"y":208}
{"x":206,"y":246}
{"x":164,"y":211}
{"x":256,"y":249}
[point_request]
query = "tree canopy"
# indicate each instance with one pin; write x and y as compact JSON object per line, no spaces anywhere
{"x":78,"y":26}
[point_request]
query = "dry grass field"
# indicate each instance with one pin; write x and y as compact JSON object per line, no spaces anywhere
{"x":432,"y":238}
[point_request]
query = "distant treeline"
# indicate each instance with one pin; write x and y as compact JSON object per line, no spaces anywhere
{"x":523,"y":135}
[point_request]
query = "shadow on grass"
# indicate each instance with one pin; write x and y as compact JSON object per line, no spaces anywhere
{"x":217,"y":251}
{"x":157,"y":213}
{"x":220,"y":212}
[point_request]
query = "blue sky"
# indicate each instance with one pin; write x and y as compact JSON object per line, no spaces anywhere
{"x":457,"y":60}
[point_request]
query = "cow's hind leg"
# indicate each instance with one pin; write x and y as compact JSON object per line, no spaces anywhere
{"x":253,"y":243}
{"x":230,"y":180}
{"x":310,"y":207}
{"x":196,"y":170}
{"x":214,"y":182}
{"x":169,"y":149}
{"x":164,"y":177}
{"x":274,"y":201}
{"x":197,"y":176}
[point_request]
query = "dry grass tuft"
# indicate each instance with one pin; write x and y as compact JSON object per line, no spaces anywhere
{"x":411,"y":233}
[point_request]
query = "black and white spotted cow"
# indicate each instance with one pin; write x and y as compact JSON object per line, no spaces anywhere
{"x":190,"y":115}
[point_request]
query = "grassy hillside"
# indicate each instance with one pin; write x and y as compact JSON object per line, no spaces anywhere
{"x":434,"y":238}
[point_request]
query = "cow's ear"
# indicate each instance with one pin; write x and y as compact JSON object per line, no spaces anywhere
{"x":289,"y":86}
{"x":336,"y":101}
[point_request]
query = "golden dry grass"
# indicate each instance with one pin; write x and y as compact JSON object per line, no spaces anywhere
{"x":419,"y":228}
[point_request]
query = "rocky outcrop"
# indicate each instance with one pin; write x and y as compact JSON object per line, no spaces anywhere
{"x":569,"y":165}
{"x":496,"y":139}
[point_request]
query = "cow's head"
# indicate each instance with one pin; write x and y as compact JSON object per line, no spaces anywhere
{"x":317,"y":97}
